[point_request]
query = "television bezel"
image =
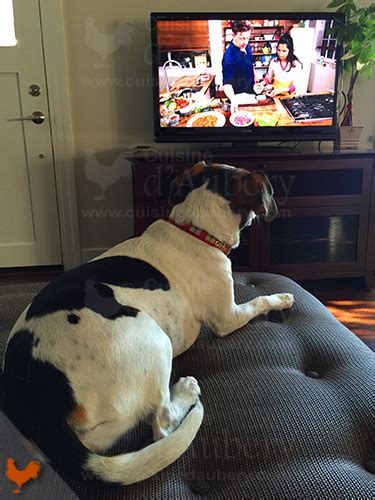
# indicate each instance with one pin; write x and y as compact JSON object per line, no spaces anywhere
{"x":223,"y":134}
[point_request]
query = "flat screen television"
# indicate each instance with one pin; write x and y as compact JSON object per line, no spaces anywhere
{"x":245,"y":77}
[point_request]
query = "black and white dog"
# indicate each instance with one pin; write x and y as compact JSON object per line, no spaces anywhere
{"x":92,"y":354}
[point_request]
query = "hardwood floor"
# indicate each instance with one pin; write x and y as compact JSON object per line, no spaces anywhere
{"x":29,"y":274}
{"x":349,"y":302}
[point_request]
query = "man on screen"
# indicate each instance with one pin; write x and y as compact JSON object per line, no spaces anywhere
{"x":238,"y":64}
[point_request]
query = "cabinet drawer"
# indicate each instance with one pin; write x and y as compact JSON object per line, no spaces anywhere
{"x":333,"y":183}
{"x":314,"y":182}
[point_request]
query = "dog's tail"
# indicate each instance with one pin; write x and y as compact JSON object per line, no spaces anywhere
{"x":39,"y":409}
{"x":60,"y":444}
{"x":66,"y":451}
{"x":139,"y":465}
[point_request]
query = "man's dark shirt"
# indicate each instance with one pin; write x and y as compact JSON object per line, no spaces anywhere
{"x":238,"y":69}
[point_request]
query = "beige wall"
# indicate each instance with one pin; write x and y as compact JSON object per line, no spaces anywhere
{"x":111,"y":101}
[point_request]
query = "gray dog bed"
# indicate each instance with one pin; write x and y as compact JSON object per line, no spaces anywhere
{"x":288,"y":408}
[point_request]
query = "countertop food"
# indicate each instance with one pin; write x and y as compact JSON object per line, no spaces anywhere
{"x":270,"y":112}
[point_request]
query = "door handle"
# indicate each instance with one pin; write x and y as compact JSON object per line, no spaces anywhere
{"x":36,"y":117}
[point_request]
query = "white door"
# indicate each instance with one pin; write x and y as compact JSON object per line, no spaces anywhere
{"x":29,"y":226}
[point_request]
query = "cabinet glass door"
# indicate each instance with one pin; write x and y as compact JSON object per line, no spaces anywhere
{"x":301,"y":240}
{"x":331,"y":238}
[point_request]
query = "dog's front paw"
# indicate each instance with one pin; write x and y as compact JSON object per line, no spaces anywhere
{"x":186,"y":389}
{"x":280,"y":301}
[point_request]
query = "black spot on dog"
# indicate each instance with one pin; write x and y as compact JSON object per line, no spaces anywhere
{"x":69,"y":291}
{"x":36,"y":342}
{"x":73,"y":319}
{"x":38,"y":398}
{"x":100,"y":299}
{"x":103,"y":290}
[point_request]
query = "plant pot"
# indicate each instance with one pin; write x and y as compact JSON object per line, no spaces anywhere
{"x":349,"y":137}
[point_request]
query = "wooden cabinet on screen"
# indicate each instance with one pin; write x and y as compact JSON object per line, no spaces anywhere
{"x":183,"y":35}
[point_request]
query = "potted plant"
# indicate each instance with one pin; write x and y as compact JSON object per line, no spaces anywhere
{"x":357,"y":35}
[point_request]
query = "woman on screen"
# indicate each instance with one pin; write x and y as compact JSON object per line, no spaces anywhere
{"x":284,"y":71}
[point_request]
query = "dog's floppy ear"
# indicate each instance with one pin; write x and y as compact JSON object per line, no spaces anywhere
{"x":186,"y":182}
{"x":260,"y":191}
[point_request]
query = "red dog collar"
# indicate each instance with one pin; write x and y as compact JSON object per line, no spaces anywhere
{"x":203,"y":236}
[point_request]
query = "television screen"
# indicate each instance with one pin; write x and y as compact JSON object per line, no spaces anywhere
{"x":245,"y":76}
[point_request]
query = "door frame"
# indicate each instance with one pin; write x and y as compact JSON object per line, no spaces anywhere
{"x":53,"y":39}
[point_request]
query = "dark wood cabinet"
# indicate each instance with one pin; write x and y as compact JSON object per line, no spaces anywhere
{"x":326,"y":222}
{"x":183,"y":35}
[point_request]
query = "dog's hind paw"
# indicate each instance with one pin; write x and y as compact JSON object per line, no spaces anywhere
{"x":280,"y":301}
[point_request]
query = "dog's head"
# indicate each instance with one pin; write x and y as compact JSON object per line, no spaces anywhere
{"x":249,"y":193}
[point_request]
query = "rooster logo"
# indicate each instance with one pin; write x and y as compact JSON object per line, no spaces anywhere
{"x":21,"y":477}
{"x":105,"y":176}
{"x":105,"y":44}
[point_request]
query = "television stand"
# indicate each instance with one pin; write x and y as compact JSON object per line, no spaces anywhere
{"x":252,"y":147}
{"x":326,"y":222}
